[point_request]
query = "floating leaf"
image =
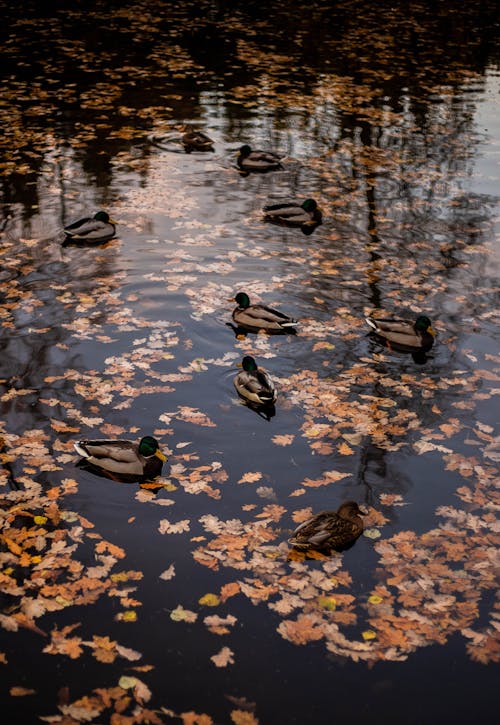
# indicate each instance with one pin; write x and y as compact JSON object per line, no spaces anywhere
{"x":179,"y":614}
{"x":328,"y":603}
{"x":127,"y":682}
{"x":223,"y":658}
{"x":168,"y":573}
{"x":209,"y":600}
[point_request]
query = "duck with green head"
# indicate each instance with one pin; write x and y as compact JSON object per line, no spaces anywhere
{"x":97,"y":229}
{"x":260,"y":317}
{"x":294,"y":213}
{"x":254,"y":384}
{"x":142,"y":459}
{"x":404,"y":335}
{"x":250,"y":160}
{"x":329,"y":530}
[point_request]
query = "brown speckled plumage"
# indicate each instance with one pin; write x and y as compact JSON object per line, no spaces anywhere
{"x":329,"y":529}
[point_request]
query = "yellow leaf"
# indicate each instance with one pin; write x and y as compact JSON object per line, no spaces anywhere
{"x":127,"y":683}
{"x":375,"y":599}
{"x":328,"y":603}
{"x":40,"y":519}
{"x":368,"y":634}
{"x":209,"y":600}
{"x":63,"y":602}
{"x":129,"y":616}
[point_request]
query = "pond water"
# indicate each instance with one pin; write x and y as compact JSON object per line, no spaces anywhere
{"x":387,"y":115}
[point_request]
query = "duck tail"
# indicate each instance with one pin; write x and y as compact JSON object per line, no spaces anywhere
{"x":290,"y":323}
{"x":371,"y":322}
{"x":79,"y":448}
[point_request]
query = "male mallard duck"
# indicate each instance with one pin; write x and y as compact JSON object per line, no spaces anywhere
{"x":254,"y":384}
{"x":259,"y":317}
{"x":127,"y":458}
{"x":99,"y":228}
{"x":329,"y":529}
{"x":404,"y":335}
{"x":196,"y":141}
{"x":249,"y":160}
{"x":294,"y":214}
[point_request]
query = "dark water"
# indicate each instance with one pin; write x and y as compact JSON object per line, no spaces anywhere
{"x":387,"y":114}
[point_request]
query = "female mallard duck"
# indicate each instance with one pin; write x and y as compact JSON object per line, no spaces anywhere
{"x":259,"y":317}
{"x":404,"y":335}
{"x":330,"y":529}
{"x":294,"y":214}
{"x":99,"y":228}
{"x":196,"y":141}
{"x":249,"y":160}
{"x":125,"y":458}
{"x":254,"y":384}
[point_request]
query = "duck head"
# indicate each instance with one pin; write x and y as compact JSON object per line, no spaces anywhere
{"x":309,"y":205}
{"x":148,"y":446}
{"x":248,"y":364}
{"x":241,"y":299}
{"x":423,"y":324}
{"x":103,"y":216}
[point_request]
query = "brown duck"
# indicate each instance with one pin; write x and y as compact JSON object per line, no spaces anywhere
{"x":196,"y":141}
{"x":330,"y":529}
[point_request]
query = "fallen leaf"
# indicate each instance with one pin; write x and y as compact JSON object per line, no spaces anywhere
{"x":223,"y":658}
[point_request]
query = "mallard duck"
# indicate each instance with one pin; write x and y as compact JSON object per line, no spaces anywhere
{"x":259,"y":317}
{"x":123,"y":457}
{"x":294,"y":214}
{"x":330,"y":529}
{"x":99,"y":228}
{"x":196,"y":141}
{"x":404,"y":335}
{"x":254,"y":384}
{"x":249,"y":160}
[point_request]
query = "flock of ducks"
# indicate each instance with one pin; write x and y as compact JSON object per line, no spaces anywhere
{"x":126,"y":460}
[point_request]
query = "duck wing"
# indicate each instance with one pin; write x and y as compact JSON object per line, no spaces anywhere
{"x":262,"y":317}
{"x":90,"y":229}
{"x":116,"y":456}
{"x":256,"y":386}
{"x":260,"y":161}
{"x":398,"y":331}
{"x":290,"y":213}
{"x":326,"y":529}
{"x":197,"y":139}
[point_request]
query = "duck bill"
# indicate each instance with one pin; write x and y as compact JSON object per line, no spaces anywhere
{"x":239,"y":365}
{"x":431,"y":331}
{"x":113,"y":221}
{"x":231,"y":299}
{"x":160,"y":455}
